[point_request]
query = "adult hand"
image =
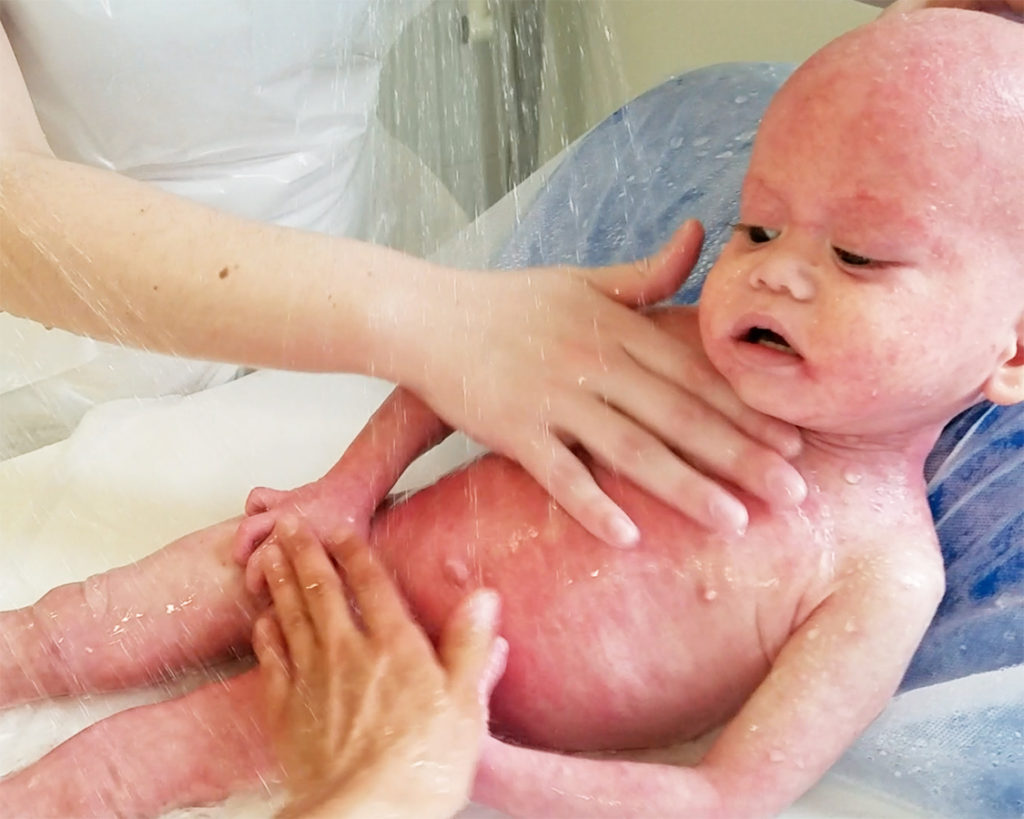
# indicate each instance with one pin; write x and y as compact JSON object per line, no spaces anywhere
{"x":365,"y":718}
{"x":531,"y":363}
{"x":345,"y":498}
{"x":993,"y":6}
{"x":327,"y":507}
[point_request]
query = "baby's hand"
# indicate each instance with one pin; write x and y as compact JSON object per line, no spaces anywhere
{"x":327,"y":506}
{"x":362,"y":713}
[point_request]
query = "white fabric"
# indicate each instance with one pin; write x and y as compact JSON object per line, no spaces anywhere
{"x":264,"y":108}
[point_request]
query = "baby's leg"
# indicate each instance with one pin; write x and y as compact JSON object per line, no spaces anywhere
{"x":193,"y":750}
{"x":177,"y":608}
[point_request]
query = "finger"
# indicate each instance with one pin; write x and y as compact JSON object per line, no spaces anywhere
{"x":655,"y":277}
{"x":465,"y":643}
{"x":554,"y":466}
{"x":250,"y":533}
{"x":261,"y":499}
{"x":321,"y":588}
{"x":289,"y":607}
{"x":706,"y":438}
{"x":275,"y":669}
{"x":497,"y":661}
{"x":370,"y":588}
{"x":636,"y":454}
{"x":652,"y":349}
{"x":255,"y":571}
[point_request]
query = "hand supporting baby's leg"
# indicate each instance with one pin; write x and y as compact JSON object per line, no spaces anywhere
{"x":177,"y":608}
{"x":196,"y":749}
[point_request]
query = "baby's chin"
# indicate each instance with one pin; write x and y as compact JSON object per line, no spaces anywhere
{"x":780,"y":406}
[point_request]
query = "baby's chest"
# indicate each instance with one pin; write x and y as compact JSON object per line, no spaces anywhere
{"x":659,"y":645}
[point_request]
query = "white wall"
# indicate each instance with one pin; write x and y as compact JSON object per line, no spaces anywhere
{"x":601,"y":53}
{"x":457,"y":107}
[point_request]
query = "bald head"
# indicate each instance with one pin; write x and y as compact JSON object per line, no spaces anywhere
{"x":932,"y":99}
{"x":957,"y":68}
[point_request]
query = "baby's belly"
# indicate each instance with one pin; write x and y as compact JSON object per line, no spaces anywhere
{"x":609,"y":648}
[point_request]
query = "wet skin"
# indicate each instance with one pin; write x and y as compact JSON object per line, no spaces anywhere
{"x":610,"y":648}
{"x":768,"y":634}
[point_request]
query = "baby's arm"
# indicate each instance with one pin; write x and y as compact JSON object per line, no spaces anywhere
{"x":831,"y":679}
{"x":345,"y":498}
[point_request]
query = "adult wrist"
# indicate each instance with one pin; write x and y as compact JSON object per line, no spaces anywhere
{"x":416,"y":304}
{"x":376,"y":792}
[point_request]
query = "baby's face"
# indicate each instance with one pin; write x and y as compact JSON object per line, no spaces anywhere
{"x":861,"y":293}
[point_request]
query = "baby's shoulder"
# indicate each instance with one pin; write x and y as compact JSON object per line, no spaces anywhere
{"x":898,"y":561}
{"x":880,"y":551}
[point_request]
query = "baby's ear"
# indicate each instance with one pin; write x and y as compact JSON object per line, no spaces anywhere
{"x":1006,"y":384}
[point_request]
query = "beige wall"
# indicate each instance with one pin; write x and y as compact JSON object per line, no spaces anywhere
{"x":609,"y":51}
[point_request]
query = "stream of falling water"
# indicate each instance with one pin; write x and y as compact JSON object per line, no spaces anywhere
{"x":413,"y":119}
{"x":397,"y":121}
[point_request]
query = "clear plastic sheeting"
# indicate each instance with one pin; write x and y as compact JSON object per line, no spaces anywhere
{"x":259,"y":107}
{"x":954,"y":749}
{"x":262,"y":108}
{"x":680,"y":151}
{"x":50,"y":379}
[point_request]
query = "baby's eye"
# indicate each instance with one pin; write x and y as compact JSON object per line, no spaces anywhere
{"x":852,"y":259}
{"x":756,"y":234}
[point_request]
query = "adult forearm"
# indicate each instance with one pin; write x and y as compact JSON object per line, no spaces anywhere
{"x":103,"y":255}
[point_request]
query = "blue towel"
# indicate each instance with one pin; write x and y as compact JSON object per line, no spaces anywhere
{"x":681,"y":150}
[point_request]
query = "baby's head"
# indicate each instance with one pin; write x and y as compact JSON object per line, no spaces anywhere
{"x":875,"y":283}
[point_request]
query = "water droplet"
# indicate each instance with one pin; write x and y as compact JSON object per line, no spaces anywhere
{"x":852,"y":476}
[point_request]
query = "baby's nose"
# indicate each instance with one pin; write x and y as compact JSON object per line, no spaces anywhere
{"x":782,"y":273}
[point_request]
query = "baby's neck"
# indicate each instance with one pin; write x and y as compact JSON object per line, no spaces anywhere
{"x":901,"y":454}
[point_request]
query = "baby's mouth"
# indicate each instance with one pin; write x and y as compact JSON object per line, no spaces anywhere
{"x":764,"y":337}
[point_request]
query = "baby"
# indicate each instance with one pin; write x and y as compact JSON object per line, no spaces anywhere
{"x":873,"y":289}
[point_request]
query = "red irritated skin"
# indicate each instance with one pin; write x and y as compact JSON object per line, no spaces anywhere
{"x":868,"y":288}
{"x":872,"y":290}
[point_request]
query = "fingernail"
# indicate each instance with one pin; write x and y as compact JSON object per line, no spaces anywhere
{"x":485,"y":608}
{"x":786,"y":485}
{"x":727,"y":513}
{"x":622,"y":531}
